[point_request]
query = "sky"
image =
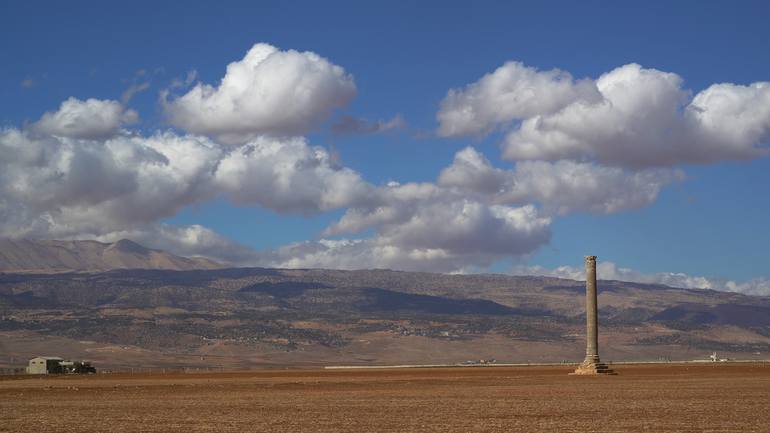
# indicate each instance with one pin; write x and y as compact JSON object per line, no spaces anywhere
{"x":435,"y":136}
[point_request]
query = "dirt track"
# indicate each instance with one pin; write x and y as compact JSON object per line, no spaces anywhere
{"x":716,"y":398}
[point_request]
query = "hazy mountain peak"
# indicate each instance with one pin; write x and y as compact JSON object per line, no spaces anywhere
{"x":128,"y":246}
{"x":76,"y":255}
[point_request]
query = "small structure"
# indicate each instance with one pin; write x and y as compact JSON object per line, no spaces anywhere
{"x":591,"y":364}
{"x":56,"y":365}
{"x":44,"y":365}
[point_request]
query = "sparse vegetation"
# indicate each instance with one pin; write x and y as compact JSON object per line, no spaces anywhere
{"x":306,"y":311}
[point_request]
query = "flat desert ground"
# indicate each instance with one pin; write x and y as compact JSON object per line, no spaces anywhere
{"x":722,"y":397}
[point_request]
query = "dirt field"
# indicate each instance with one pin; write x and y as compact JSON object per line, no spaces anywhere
{"x":655,"y":398}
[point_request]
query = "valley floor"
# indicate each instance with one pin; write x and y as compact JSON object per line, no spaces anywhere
{"x":721,"y":397}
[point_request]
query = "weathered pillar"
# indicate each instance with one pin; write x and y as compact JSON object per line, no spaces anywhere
{"x":591,"y":364}
{"x":592,"y":320}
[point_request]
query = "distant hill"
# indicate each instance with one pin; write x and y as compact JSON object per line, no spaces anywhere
{"x":242,"y":317}
{"x":26,"y":255}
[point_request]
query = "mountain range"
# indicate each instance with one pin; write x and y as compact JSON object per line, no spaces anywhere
{"x":245,"y":317}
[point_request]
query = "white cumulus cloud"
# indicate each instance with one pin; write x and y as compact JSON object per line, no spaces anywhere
{"x":566,"y":186}
{"x":585,"y":145}
{"x":472,"y":171}
{"x":370,"y":253}
{"x":92,"y":119}
{"x":288,"y":175}
{"x":64,"y":187}
{"x":383,"y":252}
{"x":512,"y":91}
{"x":422,"y":226}
{"x":268,"y":92}
{"x":54,"y":186}
{"x":631,"y":117}
{"x":560,"y":187}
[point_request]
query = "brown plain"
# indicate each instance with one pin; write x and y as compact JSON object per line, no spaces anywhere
{"x":659,"y":398}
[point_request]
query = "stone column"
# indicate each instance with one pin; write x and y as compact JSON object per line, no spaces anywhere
{"x":591,"y":364}
{"x":592,"y":320}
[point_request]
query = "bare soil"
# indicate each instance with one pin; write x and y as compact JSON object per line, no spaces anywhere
{"x":656,"y":398}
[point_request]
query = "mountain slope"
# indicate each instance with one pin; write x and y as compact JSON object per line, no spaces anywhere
{"x":255,"y":316}
{"x":26,"y":255}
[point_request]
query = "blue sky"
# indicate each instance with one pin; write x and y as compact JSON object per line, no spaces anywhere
{"x":404,"y":58}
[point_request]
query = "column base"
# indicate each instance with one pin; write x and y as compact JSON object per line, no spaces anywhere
{"x":592,"y":366}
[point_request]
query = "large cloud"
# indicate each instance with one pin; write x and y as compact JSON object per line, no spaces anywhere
{"x":369,"y":253}
{"x":269,"y":92}
{"x":62,"y":186}
{"x":89,"y":119}
{"x":59,"y":187}
{"x":631,"y":116}
{"x":77,"y":173}
{"x":475,"y":214}
{"x":512,"y":91}
{"x":560,"y":187}
{"x":610,"y":271}
{"x":469,"y":238}
{"x":470,"y":227}
{"x":123,"y":185}
{"x":427,"y":227}
{"x":288,"y":175}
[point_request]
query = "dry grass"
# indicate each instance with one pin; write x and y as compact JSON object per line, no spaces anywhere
{"x":716,"y":398}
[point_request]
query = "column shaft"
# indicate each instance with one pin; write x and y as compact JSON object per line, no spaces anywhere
{"x":592,"y":321}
